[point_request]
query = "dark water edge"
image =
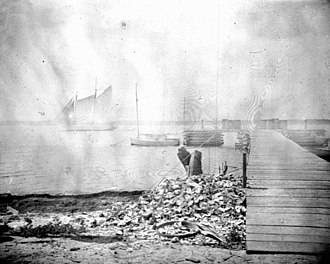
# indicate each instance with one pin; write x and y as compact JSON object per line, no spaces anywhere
{"x":46,"y":203}
{"x":6,"y":197}
{"x":315,"y":150}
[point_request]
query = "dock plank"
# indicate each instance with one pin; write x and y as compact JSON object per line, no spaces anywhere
{"x":288,"y":230}
{"x":289,"y":202}
{"x":284,"y":219}
{"x":288,"y":210}
{"x":288,"y":247}
{"x":294,"y":193}
{"x":260,"y":175}
{"x":289,"y":184}
{"x":289,"y":238}
{"x":289,"y":167}
{"x":288,"y":207}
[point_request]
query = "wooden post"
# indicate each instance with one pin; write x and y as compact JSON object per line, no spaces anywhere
{"x":184,"y":157}
{"x":191,"y":162}
{"x":195,"y":165}
{"x":244,"y":169}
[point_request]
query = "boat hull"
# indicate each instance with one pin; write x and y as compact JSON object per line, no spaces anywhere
{"x":94,"y":127}
{"x":154,"y":142}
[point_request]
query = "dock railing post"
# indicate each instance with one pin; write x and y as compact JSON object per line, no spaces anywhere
{"x":244,"y":169}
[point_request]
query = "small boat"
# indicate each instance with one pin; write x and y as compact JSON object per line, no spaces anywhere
{"x":91,"y":127}
{"x":151,"y":139}
{"x":154,"y":140}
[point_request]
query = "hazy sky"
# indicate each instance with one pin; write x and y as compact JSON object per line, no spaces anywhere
{"x":51,"y":49}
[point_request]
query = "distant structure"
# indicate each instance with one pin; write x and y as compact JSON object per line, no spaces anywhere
{"x":275,"y":124}
{"x":123,"y":25}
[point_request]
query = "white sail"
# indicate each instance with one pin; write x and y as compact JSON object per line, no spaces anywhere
{"x":103,"y":107}
{"x":83,"y":112}
{"x":90,"y":109}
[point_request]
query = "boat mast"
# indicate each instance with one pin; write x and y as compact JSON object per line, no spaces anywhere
{"x":75,"y":108}
{"x":94,"y":98}
{"x":184,"y":112}
{"x":137,"y":111}
{"x":217,"y":85}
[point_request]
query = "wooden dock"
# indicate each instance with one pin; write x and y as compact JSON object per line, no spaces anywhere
{"x":288,"y":197}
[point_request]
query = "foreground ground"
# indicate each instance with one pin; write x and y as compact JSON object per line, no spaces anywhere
{"x":108,"y":249}
{"x":61,"y":250}
{"x":200,"y":219}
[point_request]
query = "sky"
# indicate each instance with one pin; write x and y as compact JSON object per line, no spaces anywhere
{"x":202,"y":58}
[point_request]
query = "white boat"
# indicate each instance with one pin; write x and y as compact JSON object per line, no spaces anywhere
{"x":151,"y":139}
{"x":154,"y":140}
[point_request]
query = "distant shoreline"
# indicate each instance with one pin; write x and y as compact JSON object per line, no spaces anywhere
{"x":145,"y":122}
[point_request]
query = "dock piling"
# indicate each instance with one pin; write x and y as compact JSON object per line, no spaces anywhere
{"x":244,"y":169}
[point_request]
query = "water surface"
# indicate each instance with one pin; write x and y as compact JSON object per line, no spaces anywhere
{"x":49,"y":159}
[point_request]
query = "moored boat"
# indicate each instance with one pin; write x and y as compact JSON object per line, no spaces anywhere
{"x":154,"y":141}
{"x":91,"y":127}
{"x":151,"y":139}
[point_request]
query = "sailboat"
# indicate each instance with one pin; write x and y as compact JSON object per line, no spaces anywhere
{"x":90,"y":113}
{"x":151,"y":139}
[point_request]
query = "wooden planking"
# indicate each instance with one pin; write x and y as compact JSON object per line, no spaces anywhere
{"x":290,"y":238}
{"x":285,"y":168}
{"x":294,"y":193}
{"x":289,"y":184}
{"x":308,"y":163}
{"x":296,"y":167}
{"x":288,"y":210}
{"x":287,"y":202}
{"x":289,"y":176}
{"x":295,"y":177}
{"x":286,"y":159}
{"x":288,"y":153}
{"x":288,"y":247}
{"x":288,"y":167}
{"x":283,"y":219}
{"x":266,"y":172}
{"x":287,"y":230}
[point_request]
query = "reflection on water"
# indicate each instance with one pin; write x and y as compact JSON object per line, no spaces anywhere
{"x":48,"y":159}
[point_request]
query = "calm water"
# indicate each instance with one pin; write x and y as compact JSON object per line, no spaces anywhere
{"x":48,"y":159}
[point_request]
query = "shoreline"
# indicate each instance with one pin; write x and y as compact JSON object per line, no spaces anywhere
{"x":87,"y":195}
{"x":203,"y":202}
{"x":39,"y":203}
